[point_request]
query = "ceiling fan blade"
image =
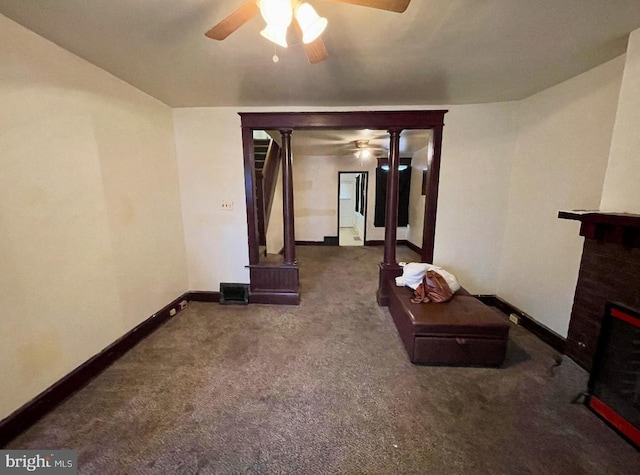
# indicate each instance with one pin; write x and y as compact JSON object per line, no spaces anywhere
{"x":398,"y":6}
{"x":316,"y":51}
{"x":234,"y":21}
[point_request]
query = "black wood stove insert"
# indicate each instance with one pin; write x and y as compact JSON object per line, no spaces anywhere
{"x":614,"y":384}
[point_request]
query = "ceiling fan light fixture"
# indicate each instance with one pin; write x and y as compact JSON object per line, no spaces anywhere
{"x":275,"y":34}
{"x":276,"y":12}
{"x":365,"y":153}
{"x":311,"y":24}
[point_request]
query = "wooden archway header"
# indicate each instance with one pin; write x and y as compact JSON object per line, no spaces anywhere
{"x":393,"y":121}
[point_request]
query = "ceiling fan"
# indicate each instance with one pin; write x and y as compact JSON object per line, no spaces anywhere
{"x":280,"y":14}
{"x":364,"y":150}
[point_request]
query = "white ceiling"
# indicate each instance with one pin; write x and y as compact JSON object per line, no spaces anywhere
{"x":437,"y":52}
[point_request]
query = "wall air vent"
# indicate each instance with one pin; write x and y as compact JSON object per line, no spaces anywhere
{"x":234,"y":294}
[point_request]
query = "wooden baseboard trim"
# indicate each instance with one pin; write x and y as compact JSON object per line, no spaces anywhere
{"x":27,"y":415}
{"x":411,"y":246}
{"x":275,"y":298}
{"x":547,"y":335}
{"x":375,"y":242}
{"x":400,"y":242}
{"x":328,"y":241}
{"x":310,"y":243}
{"x":203,"y":296}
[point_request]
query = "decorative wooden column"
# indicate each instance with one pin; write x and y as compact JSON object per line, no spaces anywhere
{"x":389,"y":268}
{"x":431,"y":202}
{"x":279,"y":282}
{"x":250,"y":194}
{"x":287,"y":189}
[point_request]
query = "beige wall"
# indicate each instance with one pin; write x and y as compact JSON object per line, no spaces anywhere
{"x":91,"y":241}
{"x":478,"y":142}
{"x":315,"y":191}
{"x":210,"y":163}
{"x":559,"y":164}
{"x":621,"y":191}
{"x":417,"y":199}
{"x":316,"y":195}
{"x":477,"y":151}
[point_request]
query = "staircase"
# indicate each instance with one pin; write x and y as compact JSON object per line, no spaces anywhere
{"x":260,"y":148}
{"x":271,"y":281}
{"x":266,"y":154}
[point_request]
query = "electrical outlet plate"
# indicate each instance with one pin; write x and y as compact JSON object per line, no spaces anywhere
{"x":514,"y":319}
{"x":227,"y":205}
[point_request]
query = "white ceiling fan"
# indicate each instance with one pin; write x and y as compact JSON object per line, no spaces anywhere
{"x":280,"y":14}
{"x":364,"y":151}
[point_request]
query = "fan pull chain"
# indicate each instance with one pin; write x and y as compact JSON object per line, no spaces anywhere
{"x":275,"y":54}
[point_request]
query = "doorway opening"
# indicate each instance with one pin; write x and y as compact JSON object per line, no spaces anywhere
{"x":352,"y":208}
{"x":279,"y":282}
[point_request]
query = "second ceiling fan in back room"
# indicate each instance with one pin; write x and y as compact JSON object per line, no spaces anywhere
{"x":280,"y":14}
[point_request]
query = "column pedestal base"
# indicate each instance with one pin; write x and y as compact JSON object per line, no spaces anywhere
{"x":387,"y":273}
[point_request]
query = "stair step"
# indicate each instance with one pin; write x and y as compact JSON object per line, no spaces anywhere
{"x":261,"y":146}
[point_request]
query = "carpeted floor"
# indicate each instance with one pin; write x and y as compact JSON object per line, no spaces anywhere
{"x":326,"y":387}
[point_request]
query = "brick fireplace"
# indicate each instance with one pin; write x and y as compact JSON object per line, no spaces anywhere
{"x":604,"y":330}
{"x":609,"y":272}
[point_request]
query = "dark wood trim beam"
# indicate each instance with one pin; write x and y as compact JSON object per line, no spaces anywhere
{"x":613,"y":228}
{"x":597,"y":217}
{"x":389,"y":268}
{"x":431,"y":201}
{"x":417,"y":119}
{"x":287,"y":205}
{"x":250,"y":197}
{"x":391,"y":218}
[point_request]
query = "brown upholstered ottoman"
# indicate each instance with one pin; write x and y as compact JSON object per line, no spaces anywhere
{"x":462,"y":331}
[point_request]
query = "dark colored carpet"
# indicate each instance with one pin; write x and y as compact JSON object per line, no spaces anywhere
{"x":326,"y":387}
